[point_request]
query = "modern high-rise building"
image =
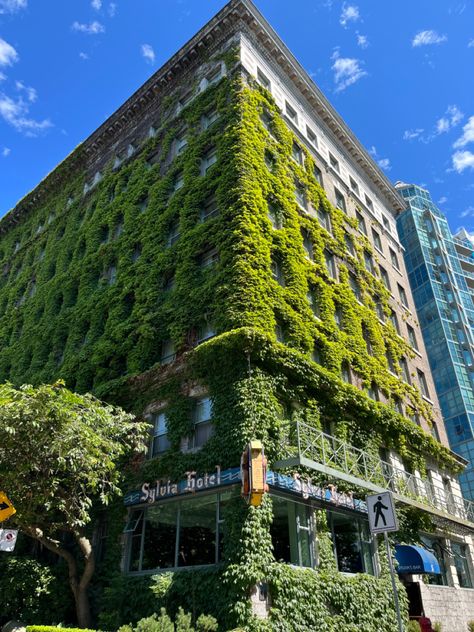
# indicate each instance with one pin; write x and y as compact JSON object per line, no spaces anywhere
{"x":440,"y":267}
{"x":221,"y":256}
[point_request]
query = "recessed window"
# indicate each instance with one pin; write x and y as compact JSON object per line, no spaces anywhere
{"x":209,"y":119}
{"x":330,"y":264}
{"x":151,"y":131}
{"x":277,"y":273}
{"x":104,"y":234}
{"x":423,"y":384}
{"x":403,"y":295}
{"x":346,"y":374}
{"x":209,"y":209}
{"x":361,"y":223}
{"x":398,"y":405}
{"x":301,"y":196}
{"x":355,"y":287}
{"x":270,"y":160}
{"x":369,"y":262}
{"x":185,"y":100}
{"x":168,"y":352}
{"x":354,"y":185}
{"x":137,"y":251}
{"x":373,"y":392}
{"x":311,"y":136}
{"x":334,"y":162}
{"x":394,"y":259}
{"x":308,"y":244}
{"x":386,"y":223}
{"x":297,"y":153}
{"x":291,"y":113}
{"x":316,"y":355}
{"x":352,"y":544}
{"x":405,"y":371}
{"x":390,"y":362}
{"x":203,"y":426}
{"x":379,"y":309}
{"x":214,"y":76}
{"x":173,"y":234}
{"x":394,"y":320}
{"x":263,"y":80}
{"x":324,"y":218}
{"x":118,"y":229}
{"x":110,"y":275}
{"x":143,"y":204}
{"x":369,"y":203}
{"x":205,"y":332}
{"x":274,"y":215}
{"x":280,"y":333}
{"x":178,"y":182}
{"x":267,"y":120}
{"x":161,"y":443}
{"x":312,"y":297}
{"x":384,"y":277}
{"x":318,"y":175}
{"x":209,"y":159}
{"x":377,"y":240}
{"x":412,"y":337}
{"x":338,"y":316}
{"x":168,"y":282}
{"x":349,"y":245}
{"x":209,"y":258}
{"x":180,"y":143}
{"x":367,"y":339}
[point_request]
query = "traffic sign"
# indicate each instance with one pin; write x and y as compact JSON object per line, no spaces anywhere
{"x":382,"y":516}
{"x":8,"y":539}
{"x":6,"y":508}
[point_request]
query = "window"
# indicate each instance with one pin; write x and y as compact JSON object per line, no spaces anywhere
{"x":168,"y":352}
{"x":291,"y":113}
{"x":361,"y":223}
{"x":346,"y":372}
{"x":394,"y":320}
{"x":460,"y":553}
{"x":274,"y":216}
{"x":398,"y":405}
{"x":352,"y":544}
{"x":143,"y":204}
{"x":178,"y":181}
{"x":423,"y":384}
{"x":208,"y":258}
{"x":205,"y":332}
{"x":161,"y":442}
{"x":209,"y":118}
{"x":368,"y":342}
{"x":354,"y":185}
{"x":301,"y":196}
{"x":384,"y":277}
{"x":324,"y":218}
{"x":214,"y":76}
{"x":312,"y":297}
{"x":208,"y":160}
{"x":340,"y":201}
{"x":369,"y":203}
{"x":369,"y":262}
{"x":349,"y":245}
{"x":152,"y":132}
{"x":173,"y":234}
{"x":277,"y":273}
{"x":292,"y":532}
{"x":137,"y":251}
{"x":180,"y":143}
{"x":203,"y":427}
{"x":311,"y":136}
{"x":379,"y":309}
{"x":334,"y":162}
{"x":297,"y":153}
{"x":355,"y":287}
{"x":390,"y":362}
{"x":118,"y":230}
{"x":280,"y":333}
{"x":209,"y":209}
{"x":403,"y":295}
{"x":405,"y":371}
{"x":270,"y":160}
{"x":338,"y":316}
{"x":394,"y":259}
{"x":377,"y":240}
{"x":263,"y":80}
{"x":185,"y":100}
{"x":307,"y":244}
{"x":386,"y":223}
{"x":110,"y":275}
{"x":267,"y":120}
{"x":412,"y":337}
{"x":316,"y":355}
{"x":373,"y":392}
{"x":318,"y":176}
{"x":330,"y":264}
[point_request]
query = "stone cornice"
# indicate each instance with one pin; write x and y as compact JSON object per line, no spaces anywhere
{"x":232,"y":16}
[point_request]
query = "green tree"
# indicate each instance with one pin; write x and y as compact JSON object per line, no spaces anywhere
{"x":59,"y":453}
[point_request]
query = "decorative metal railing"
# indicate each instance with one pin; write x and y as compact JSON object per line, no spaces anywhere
{"x":325,"y":453}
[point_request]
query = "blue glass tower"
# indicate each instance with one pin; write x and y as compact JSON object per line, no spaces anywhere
{"x":443,"y":290}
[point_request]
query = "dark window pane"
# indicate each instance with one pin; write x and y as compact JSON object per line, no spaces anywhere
{"x":197,"y":531}
{"x":160,"y":536}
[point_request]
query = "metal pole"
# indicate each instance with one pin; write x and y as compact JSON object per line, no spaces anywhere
{"x":394,"y":585}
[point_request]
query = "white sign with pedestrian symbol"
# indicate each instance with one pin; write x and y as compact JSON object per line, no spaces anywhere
{"x":8,"y":539}
{"x":381,"y":510}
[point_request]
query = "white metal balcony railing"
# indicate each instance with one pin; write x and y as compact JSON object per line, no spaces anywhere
{"x":316,"y":450}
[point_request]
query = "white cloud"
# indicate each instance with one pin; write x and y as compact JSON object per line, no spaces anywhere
{"x":452,"y":117}
{"x":31,"y":93}
{"x":96,"y":4}
{"x":467,"y":134}
{"x":471,"y":44}
{"x":346,"y":71}
{"x":423,"y":38}
{"x":83,"y":55}
{"x":94,"y":28}
{"x":468,"y":212}
{"x":8,"y":54}
{"x":442,"y":200}
{"x":362,"y":40}
{"x":410,"y":134}
{"x":463,"y":160}
{"x":2,"y":76}
{"x":350,"y":13}
{"x":6,"y":151}
{"x":10,"y":6}
{"x":16,"y":113}
{"x":112,"y":10}
{"x":148,"y":53}
{"x":383,"y":163}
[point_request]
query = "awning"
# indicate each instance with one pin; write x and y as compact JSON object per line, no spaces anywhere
{"x":416,"y":560}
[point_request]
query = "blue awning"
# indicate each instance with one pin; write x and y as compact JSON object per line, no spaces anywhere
{"x":416,"y":560}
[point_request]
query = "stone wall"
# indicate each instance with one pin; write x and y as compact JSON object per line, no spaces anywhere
{"x":452,"y":607}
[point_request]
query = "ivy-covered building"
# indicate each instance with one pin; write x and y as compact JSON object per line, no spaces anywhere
{"x":221,"y":256}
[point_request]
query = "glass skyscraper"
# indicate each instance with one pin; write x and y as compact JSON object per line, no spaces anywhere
{"x":441,"y":272}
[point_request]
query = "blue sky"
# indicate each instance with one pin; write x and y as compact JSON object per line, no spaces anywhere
{"x":400,"y":73}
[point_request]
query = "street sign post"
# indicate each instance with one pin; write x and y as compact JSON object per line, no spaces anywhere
{"x":382,"y":519}
{"x":6,"y":507}
{"x":8,"y":539}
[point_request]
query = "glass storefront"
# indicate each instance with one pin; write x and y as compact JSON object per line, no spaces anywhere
{"x":292,"y":532}
{"x":352,"y":543}
{"x":461,"y":563}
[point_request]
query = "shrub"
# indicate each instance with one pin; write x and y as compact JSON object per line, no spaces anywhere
{"x":163,"y":623}
{"x":52,"y":628}
{"x":437,"y":626}
{"x":413,"y":626}
{"x":470,"y":626}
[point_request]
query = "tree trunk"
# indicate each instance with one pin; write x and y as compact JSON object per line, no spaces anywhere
{"x":83,"y":610}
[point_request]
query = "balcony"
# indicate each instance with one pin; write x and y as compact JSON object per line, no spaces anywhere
{"x":314,"y":449}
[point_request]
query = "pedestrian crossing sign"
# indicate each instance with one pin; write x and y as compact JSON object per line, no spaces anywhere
{"x":381,"y":510}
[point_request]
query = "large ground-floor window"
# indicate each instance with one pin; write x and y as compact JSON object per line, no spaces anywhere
{"x":352,"y":543}
{"x":292,"y":532}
